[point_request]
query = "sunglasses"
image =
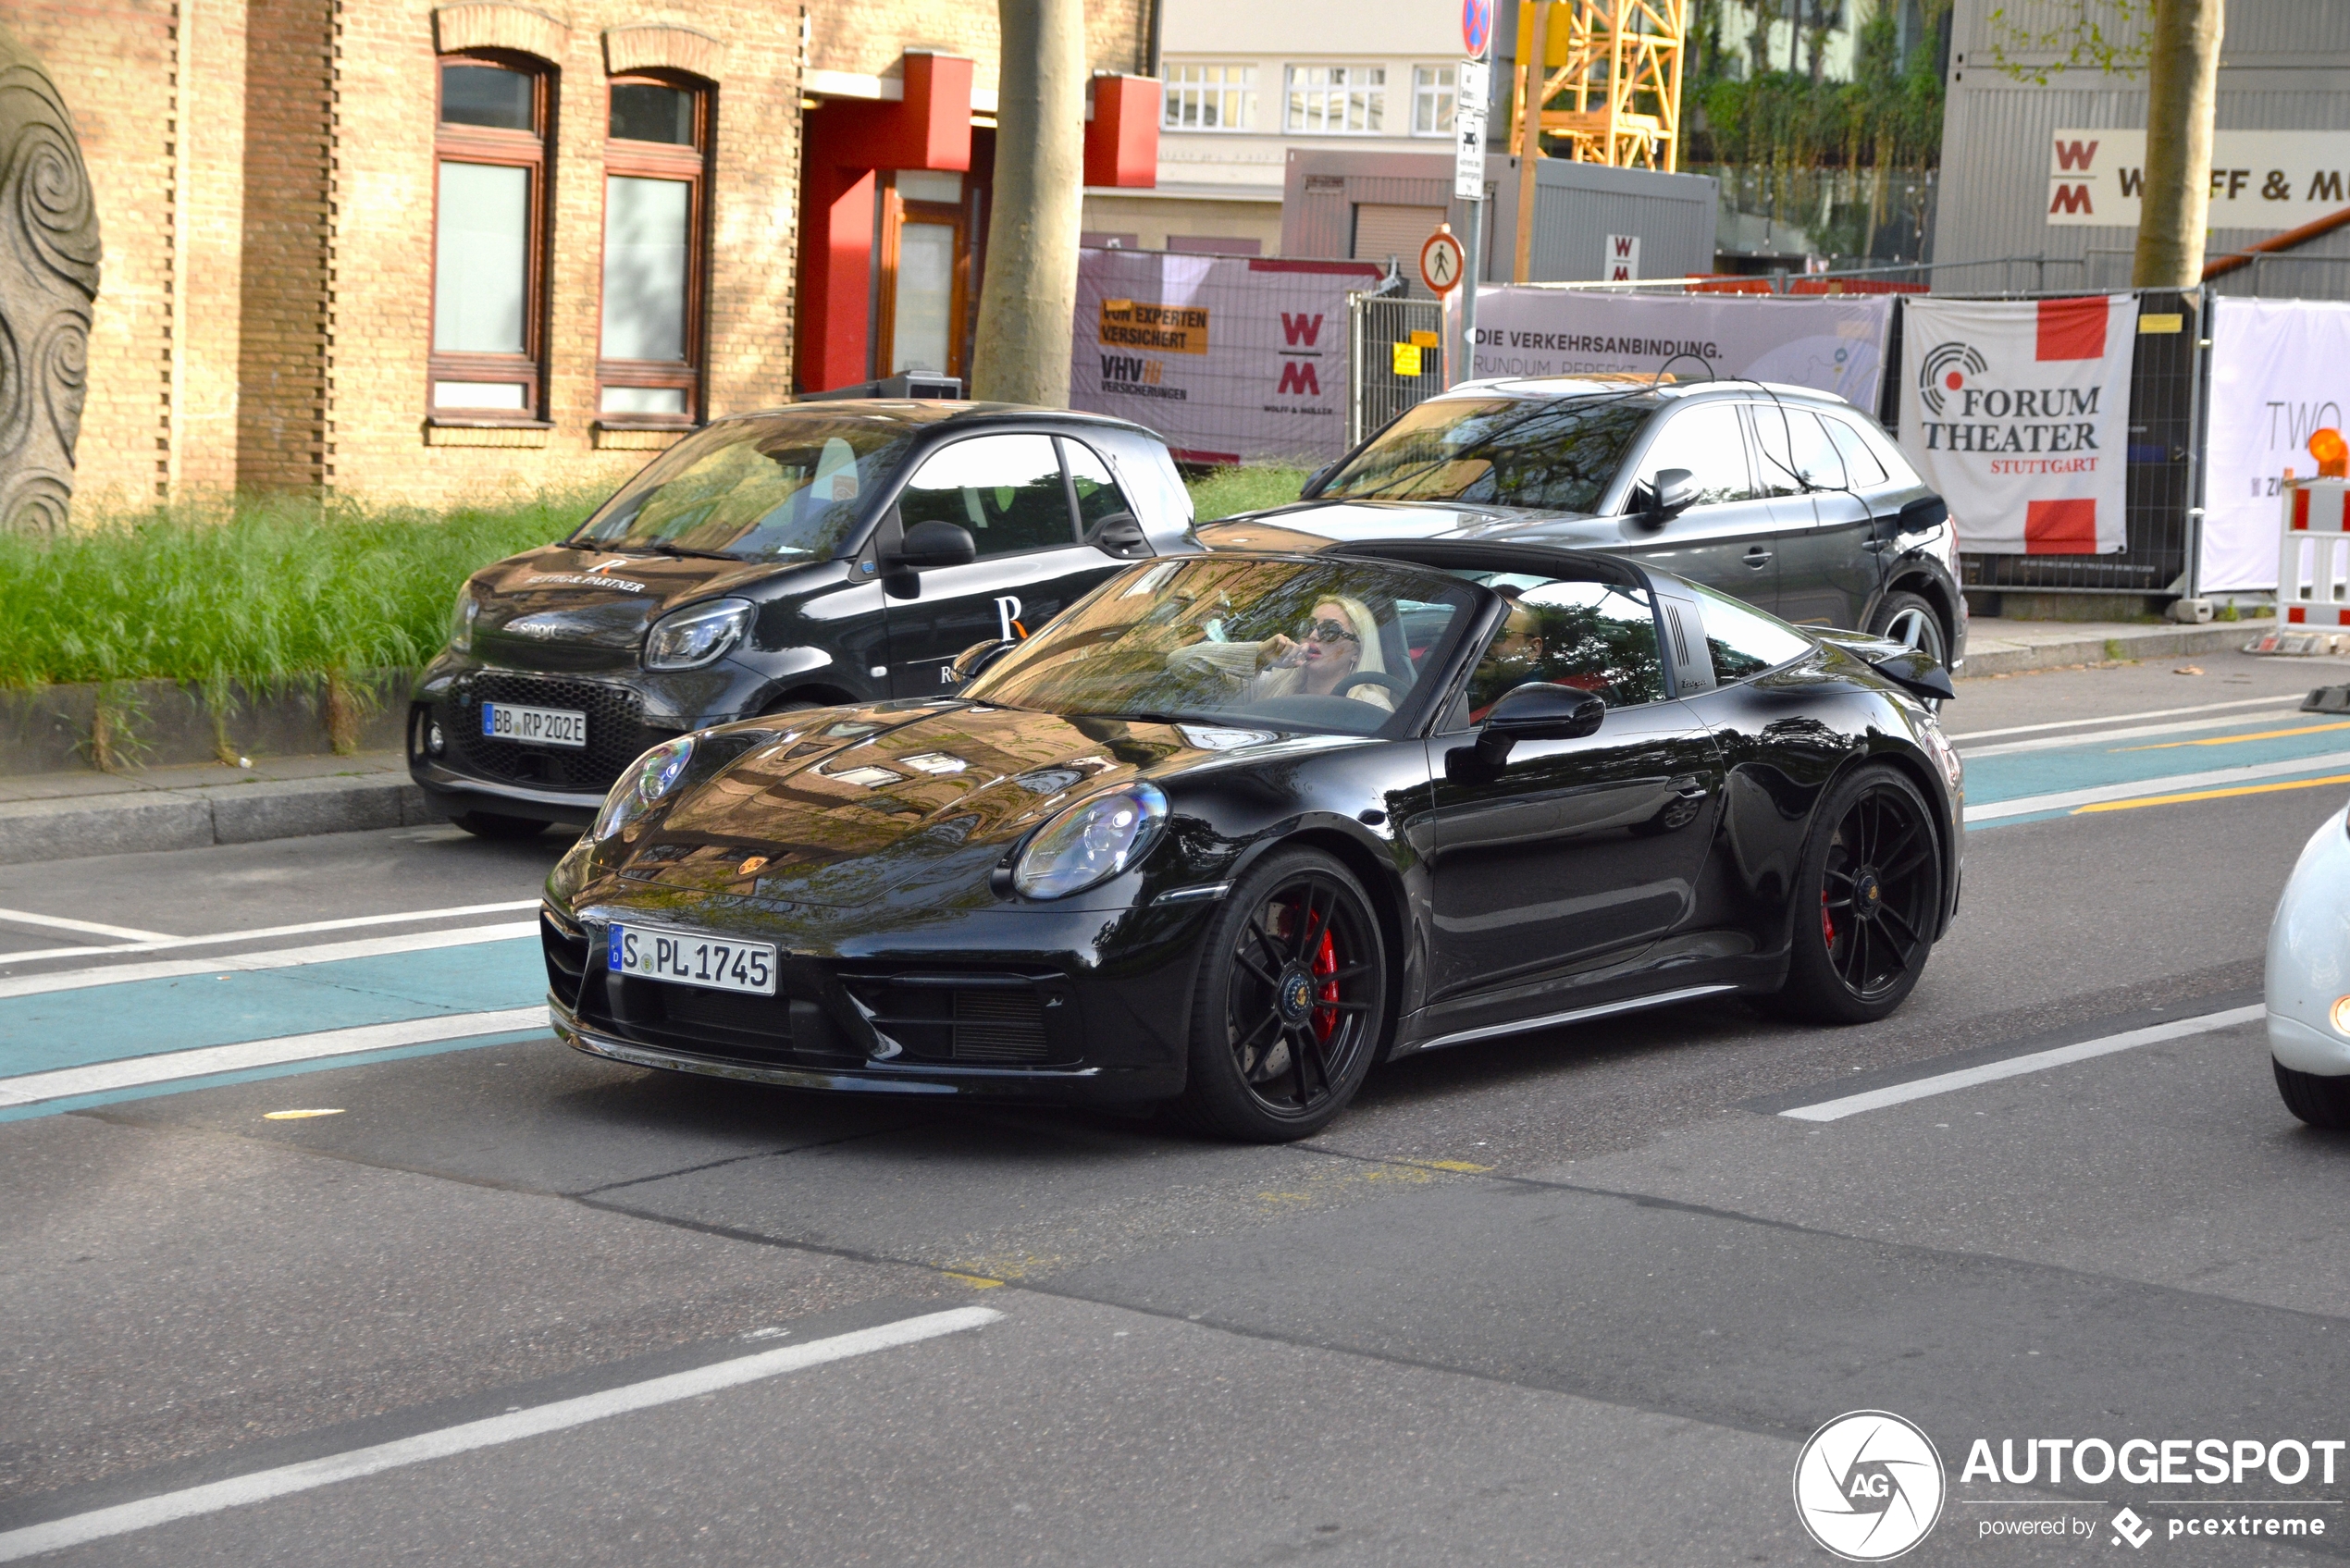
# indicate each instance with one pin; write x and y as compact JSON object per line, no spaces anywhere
{"x":1328,"y":630}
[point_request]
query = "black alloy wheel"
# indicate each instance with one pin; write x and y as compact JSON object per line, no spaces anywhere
{"x":1291,"y":1004}
{"x":1866,"y":903}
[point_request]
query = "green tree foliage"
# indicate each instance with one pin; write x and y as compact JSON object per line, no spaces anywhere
{"x":1888,"y":116}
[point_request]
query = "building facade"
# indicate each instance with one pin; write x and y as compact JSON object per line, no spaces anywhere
{"x":407,"y":251}
{"x":2004,"y":219}
{"x":1246,"y":85}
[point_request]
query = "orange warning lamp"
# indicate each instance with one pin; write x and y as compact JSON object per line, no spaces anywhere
{"x":2333,"y":453}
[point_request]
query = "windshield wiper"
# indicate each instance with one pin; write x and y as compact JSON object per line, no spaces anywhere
{"x":662,"y":547}
{"x":1147,"y":718}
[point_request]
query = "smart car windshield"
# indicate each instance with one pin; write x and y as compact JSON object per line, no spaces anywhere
{"x":784,"y":488}
{"x":1556,"y":454}
{"x":1333,"y":647}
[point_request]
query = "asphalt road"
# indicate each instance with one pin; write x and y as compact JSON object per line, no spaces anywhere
{"x":1575,"y":1298}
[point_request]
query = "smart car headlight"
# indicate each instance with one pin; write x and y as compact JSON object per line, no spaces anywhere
{"x":645,"y":784}
{"x":694,"y":636}
{"x":462,"y":616}
{"x":1092,"y":841}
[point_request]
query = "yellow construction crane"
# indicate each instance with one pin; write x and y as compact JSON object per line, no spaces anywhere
{"x":1610,"y":84}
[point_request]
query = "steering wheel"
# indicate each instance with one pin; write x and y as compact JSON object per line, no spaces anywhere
{"x":1375,"y":678}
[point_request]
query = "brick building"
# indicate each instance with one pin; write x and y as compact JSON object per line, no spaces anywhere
{"x":405,"y":251}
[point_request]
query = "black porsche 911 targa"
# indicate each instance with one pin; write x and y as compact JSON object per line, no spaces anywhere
{"x":1235,"y":827}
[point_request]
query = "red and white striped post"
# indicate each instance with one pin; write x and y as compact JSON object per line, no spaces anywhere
{"x":2313,"y":560}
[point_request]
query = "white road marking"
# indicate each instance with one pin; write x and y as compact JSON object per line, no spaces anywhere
{"x":164,"y":1066}
{"x":2122,"y":718}
{"x":2064,"y":800}
{"x":88,"y":927}
{"x":155,"y":943}
{"x":2099,"y":737}
{"x":271,"y":958}
{"x":2016,"y":1066}
{"x":262,"y":1484}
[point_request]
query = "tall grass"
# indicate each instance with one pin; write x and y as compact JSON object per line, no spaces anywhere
{"x":282,"y":589}
{"x":262,"y":592}
{"x":1224,"y":491}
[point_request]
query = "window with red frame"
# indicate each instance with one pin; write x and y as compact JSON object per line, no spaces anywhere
{"x":489,"y":262}
{"x":656,"y":186}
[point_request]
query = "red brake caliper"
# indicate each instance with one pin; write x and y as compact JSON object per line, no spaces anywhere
{"x":1827,"y":921}
{"x":1325,"y":963}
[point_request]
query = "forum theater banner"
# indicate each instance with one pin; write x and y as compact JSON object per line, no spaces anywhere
{"x":2277,"y":375}
{"x":2018,"y":412}
{"x":1833,"y":342}
{"x":1229,"y":358}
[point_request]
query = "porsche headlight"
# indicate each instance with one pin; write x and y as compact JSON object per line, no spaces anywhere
{"x":647,"y":781}
{"x":694,"y":636}
{"x":462,"y":617}
{"x":1091,"y":842}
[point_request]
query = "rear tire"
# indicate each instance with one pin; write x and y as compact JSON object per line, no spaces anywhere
{"x":1868,"y":895}
{"x":1290,"y":1005}
{"x":1911,"y":621}
{"x":493,"y":825}
{"x":2315,"y":1099}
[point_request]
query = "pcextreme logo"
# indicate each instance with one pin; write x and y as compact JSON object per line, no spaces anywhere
{"x":1869,"y":1485}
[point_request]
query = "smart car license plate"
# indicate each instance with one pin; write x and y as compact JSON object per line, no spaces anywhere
{"x":712,"y":963}
{"x":534,"y":726}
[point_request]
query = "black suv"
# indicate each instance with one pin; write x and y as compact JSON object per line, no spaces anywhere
{"x":827,"y":553}
{"x":1788,"y":498}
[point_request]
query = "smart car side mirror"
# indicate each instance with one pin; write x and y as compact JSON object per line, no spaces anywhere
{"x":1672,"y":491}
{"x":979,"y":655}
{"x":1540,"y":710}
{"x":934,"y":543}
{"x":1120,"y":533}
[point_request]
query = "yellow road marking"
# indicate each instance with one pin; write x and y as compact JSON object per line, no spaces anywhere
{"x":296,"y":1115}
{"x":2208,"y":795}
{"x":2230,"y":740}
{"x":976,"y":1281}
{"x":1461,"y":1166}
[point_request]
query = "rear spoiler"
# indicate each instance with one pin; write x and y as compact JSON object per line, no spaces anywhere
{"x":1913,"y":670}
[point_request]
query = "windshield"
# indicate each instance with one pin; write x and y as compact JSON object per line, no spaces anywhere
{"x":1333,"y":647}
{"x":784,"y":488}
{"x":1556,"y":455}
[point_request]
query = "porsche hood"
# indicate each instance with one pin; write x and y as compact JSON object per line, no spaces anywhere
{"x":867,"y":801}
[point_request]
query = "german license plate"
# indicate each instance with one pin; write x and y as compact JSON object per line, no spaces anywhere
{"x":713,"y":963}
{"x":534,"y":726}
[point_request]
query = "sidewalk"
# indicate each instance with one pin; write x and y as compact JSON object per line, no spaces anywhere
{"x":2006,"y":648}
{"x":61,"y":816}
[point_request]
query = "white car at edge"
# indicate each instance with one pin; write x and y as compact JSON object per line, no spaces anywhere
{"x":2309,"y":980}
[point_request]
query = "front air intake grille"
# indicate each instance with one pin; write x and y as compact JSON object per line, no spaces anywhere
{"x":616,"y":732}
{"x":999,"y":1026}
{"x":717,"y":1024}
{"x":567,"y":952}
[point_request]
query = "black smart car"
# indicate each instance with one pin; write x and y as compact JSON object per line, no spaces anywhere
{"x":1236,"y":827}
{"x":827,"y":553}
{"x":1788,"y":498}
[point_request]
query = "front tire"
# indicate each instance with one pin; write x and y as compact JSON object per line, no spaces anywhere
{"x":1867,"y":898}
{"x":1291,"y":1004}
{"x":494,"y":826}
{"x":2315,"y":1099}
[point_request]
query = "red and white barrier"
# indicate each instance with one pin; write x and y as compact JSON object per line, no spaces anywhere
{"x":2313,"y":560}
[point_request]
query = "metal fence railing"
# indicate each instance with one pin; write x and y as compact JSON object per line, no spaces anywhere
{"x":1382,"y":378}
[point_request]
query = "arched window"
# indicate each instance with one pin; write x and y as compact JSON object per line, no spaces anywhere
{"x":656,"y":163}
{"x":489,"y":262}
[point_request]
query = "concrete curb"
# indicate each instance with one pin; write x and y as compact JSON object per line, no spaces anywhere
{"x":1993,"y":656}
{"x":192,"y":818}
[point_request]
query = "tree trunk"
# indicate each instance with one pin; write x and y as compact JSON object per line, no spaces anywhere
{"x":1027,"y":301}
{"x":2181,"y":90}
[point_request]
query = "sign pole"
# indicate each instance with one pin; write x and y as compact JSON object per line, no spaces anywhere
{"x":1470,"y":104}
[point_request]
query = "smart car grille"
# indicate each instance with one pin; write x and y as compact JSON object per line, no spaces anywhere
{"x":999,"y":1026}
{"x":616,"y":732}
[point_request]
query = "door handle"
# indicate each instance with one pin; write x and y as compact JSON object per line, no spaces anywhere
{"x":1757,"y":556}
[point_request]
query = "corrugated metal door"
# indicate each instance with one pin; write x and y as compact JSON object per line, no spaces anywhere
{"x":1382,"y":231}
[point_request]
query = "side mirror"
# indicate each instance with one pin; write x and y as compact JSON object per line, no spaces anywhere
{"x":1314,"y":480}
{"x":934,"y":543}
{"x":1120,"y":534}
{"x":1672,"y":491}
{"x":1917,"y":673}
{"x":1540,"y":710}
{"x":979,"y":655}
